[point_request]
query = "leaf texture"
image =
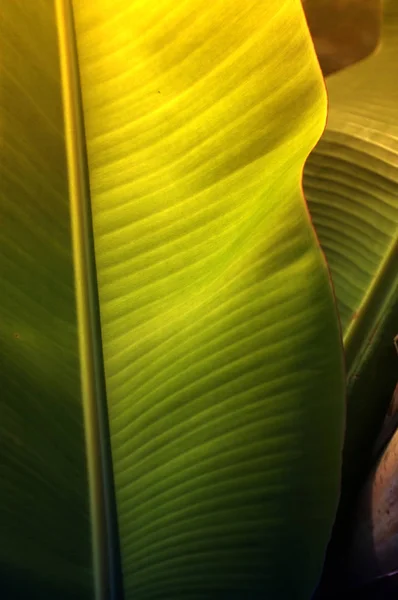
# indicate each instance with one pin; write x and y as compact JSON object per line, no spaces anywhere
{"x":45,"y":549}
{"x":351,"y":183}
{"x":221,"y":343}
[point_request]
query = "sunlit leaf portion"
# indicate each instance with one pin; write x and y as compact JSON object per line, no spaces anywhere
{"x":221,"y":343}
{"x":44,"y":518}
{"x":351,"y":182}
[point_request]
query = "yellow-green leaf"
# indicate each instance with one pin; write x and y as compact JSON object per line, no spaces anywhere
{"x":351,"y":183}
{"x":222,"y":358}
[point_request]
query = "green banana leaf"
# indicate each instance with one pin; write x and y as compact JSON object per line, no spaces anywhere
{"x":351,"y":184}
{"x":170,"y":358}
{"x":45,"y":527}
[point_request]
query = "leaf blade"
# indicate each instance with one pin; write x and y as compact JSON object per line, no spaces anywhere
{"x":44,"y":506}
{"x":187,"y":268}
{"x":351,"y":182}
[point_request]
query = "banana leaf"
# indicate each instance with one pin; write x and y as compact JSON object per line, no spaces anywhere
{"x":351,"y":184}
{"x":170,"y":354}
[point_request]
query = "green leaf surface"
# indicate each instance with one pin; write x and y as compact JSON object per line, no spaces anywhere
{"x":351,"y":183}
{"x":220,"y":340}
{"x":221,"y":347}
{"x":44,"y":511}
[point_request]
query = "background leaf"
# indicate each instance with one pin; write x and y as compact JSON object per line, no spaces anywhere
{"x":351,"y":182}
